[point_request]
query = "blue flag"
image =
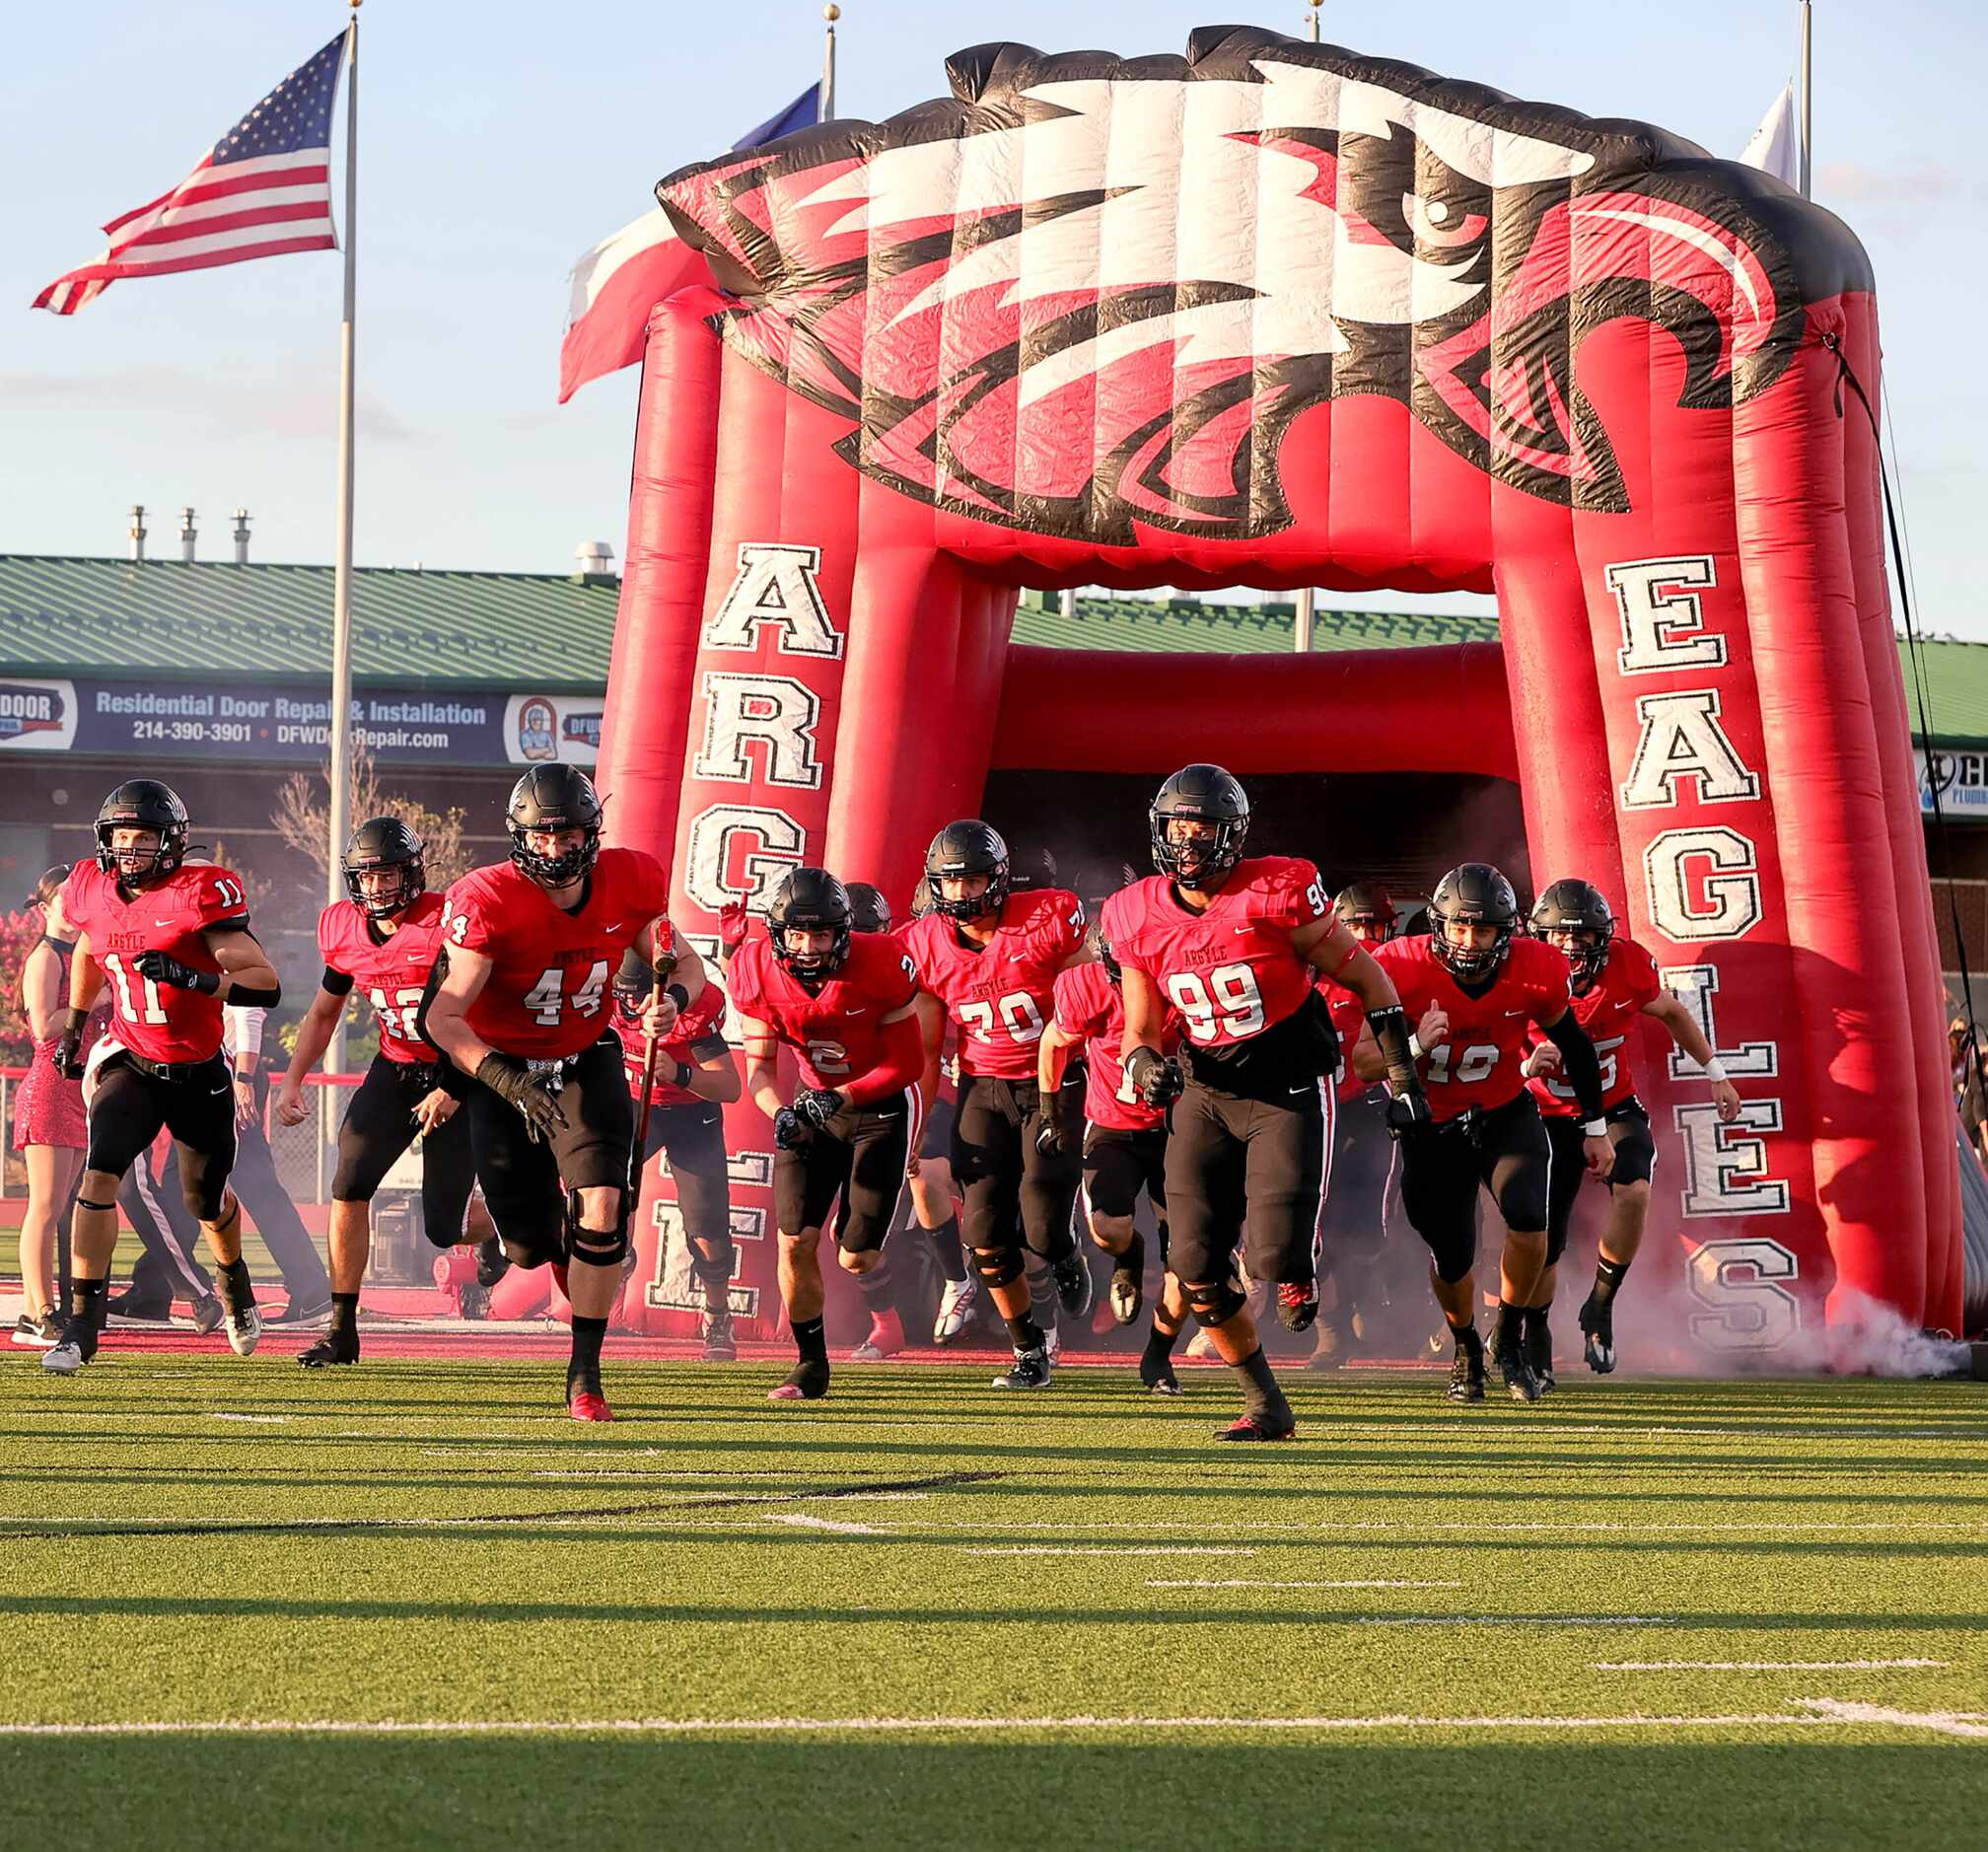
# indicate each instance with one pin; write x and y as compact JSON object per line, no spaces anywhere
{"x":803,"y":113}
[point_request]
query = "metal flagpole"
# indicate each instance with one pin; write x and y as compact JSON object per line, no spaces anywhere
{"x":1807,"y":41}
{"x":832,"y":13}
{"x":1302,"y":614}
{"x":341,"y":805}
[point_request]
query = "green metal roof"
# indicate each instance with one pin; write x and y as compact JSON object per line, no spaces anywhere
{"x":1185,"y":623}
{"x":1956,"y":687}
{"x":174,"y":619}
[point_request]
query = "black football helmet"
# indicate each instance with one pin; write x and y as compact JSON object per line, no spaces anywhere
{"x":1477,"y":893}
{"x":1366,"y":902}
{"x":869,"y":911}
{"x":811,"y":899}
{"x":1578,"y":906}
{"x":1204,"y":794}
{"x":966,"y":848}
{"x":142,"y":804}
{"x":1102,"y":946}
{"x":386,"y":842}
{"x":554,"y":797}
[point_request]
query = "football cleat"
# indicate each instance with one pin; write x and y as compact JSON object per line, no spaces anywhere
{"x":472,"y":1299}
{"x":886,"y":1339}
{"x":807,"y":1382}
{"x":1467,"y":1369}
{"x":492,"y":1262}
{"x":955,"y":1309}
{"x":1539,"y":1347}
{"x":335,"y":1346}
{"x":1261,"y":1424}
{"x":1335,"y":1344}
{"x":588,"y":1404}
{"x":1128,"y":1295}
{"x":1598,"y":1336}
{"x":304,"y":1311}
{"x":1028,"y":1371}
{"x":1520,"y":1381}
{"x":721,"y":1343}
{"x":1074,"y":1287}
{"x":1298,"y":1305}
{"x":244,"y":1327}
{"x":207,"y":1315}
{"x":72,"y":1350}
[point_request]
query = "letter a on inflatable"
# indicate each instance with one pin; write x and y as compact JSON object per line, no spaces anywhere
{"x":1277,"y":314}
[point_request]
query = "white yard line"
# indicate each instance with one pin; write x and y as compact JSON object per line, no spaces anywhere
{"x":1110,"y":1549}
{"x":224,"y":1414}
{"x":1765,"y":1664}
{"x":1246,"y":1583}
{"x":1810,"y":1713}
{"x":806,"y":1521}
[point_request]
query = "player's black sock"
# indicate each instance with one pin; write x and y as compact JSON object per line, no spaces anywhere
{"x":874,"y":1287}
{"x":810,"y":1340}
{"x":1159,"y":1343}
{"x":1608,"y":1278}
{"x":945,"y":1245}
{"x":1509,"y":1326}
{"x":1459,"y":1332}
{"x":1260,"y":1393}
{"x":234,"y":1277}
{"x":1533,"y":1318}
{"x":1024,"y":1333}
{"x":86,"y":1299}
{"x":585,"y":1359}
{"x":346,"y":1313}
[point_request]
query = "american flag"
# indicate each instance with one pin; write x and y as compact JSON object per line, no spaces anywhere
{"x":263,"y":189}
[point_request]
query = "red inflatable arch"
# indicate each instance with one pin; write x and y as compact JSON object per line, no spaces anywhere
{"x":1279,"y":315}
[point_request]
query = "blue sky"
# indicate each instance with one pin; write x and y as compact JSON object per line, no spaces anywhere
{"x":499,"y":141}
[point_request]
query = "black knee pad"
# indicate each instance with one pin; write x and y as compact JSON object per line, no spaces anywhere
{"x":716,"y":1269}
{"x":1213,"y":1302}
{"x":601,"y":1248}
{"x":998,"y":1266}
{"x":83,"y":1203}
{"x":209,"y":1206}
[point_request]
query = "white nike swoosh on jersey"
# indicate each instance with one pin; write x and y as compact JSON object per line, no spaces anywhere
{"x":1515,"y":1012}
{"x":613,"y":929}
{"x":1301,"y":1089}
{"x":162,"y":922}
{"x":864,"y":1011}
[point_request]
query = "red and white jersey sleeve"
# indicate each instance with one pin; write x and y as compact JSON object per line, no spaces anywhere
{"x":696,"y":1034}
{"x":1478,"y":1065}
{"x":1000,"y":996}
{"x":1231,"y":972}
{"x":1091,"y":1006}
{"x":158,"y":1021}
{"x":838,"y":1029}
{"x":546,"y":995}
{"x":1608,"y":1011}
{"x":390,"y":970}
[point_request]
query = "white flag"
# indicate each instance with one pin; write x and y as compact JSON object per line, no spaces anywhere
{"x":1775,"y":148}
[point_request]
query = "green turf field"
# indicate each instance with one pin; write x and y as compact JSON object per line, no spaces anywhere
{"x":922,"y":1616}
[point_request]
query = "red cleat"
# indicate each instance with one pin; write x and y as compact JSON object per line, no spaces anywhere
{"x":886,"y":1339}
{"x":1262,"y":1426}
{"x":589,"y":1406}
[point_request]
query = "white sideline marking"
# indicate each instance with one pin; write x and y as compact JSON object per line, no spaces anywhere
{"x":1246,"y":1583}
{"x":222,"y":1414}
{"x":1815,"y":1713}
{"x":810,"y":1523}
{"x":1946,"y":1723}
{"x":1112,"y":1549}
{"x":1763,"y":1664}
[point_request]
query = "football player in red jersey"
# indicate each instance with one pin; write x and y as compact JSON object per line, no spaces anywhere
{"x":1234,"y":947}
{"x":383,"y":938}
{"x":987,"y":958}
{"x":843,"y":1001}
{"x":1352,"y":1220}
{"x":1474,"y":989}
{"x":1614,"y":983}
{"x":174,"y":943}
{"x":695,"y":1080}
{"x":1124,"y":1148}
{"x":529,"y":948}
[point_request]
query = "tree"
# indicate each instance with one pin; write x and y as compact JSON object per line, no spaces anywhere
{"x":303,"y":817}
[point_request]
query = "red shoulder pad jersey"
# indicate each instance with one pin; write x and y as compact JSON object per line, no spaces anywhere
{"x":158,"y":1022}
{"x":1349,"y":1022}
{"x":392,"y":970}
{"x":1000,"y":996}
{"x":1088,"y":1004}
{"x":1607,"y":1011}
{"x":546,"y":995}
{"x":839,"y":1031}
{"x":697,"y":1034}
{"x":1478,"y":1066}
{"x":1231,"y":972}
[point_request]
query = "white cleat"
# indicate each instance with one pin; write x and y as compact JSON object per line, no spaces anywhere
{"x":243,"y":1328}
{"x":956,"y":1307}
{"x":64,"y":1359}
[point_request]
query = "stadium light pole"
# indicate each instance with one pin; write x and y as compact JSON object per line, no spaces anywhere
{"x":1304,"y":613}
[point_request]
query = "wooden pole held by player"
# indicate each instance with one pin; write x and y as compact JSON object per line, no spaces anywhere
{"x":664,"y":968}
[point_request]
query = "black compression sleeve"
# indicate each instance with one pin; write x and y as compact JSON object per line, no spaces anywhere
{"x":338,"y":983}
{"x":1391,"y":1037}
{"x":1579,"y":1061}
{"x":265,"y":998}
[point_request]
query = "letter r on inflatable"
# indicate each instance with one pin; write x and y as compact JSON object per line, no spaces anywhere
{"x":1277,"y":314}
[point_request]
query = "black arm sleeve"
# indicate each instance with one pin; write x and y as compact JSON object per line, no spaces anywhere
{"x":1579,"y":1061}
{"x":338,"y":983}
{"x":1391,"y":1037}
{"x":265,"y":998}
